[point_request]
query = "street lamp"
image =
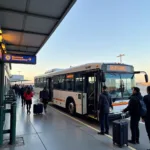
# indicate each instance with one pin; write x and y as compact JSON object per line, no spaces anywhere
{"x":121,"y":55}
{"x":19,"y":72}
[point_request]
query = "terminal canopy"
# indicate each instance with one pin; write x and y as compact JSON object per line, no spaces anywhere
{"x":27,"y":24}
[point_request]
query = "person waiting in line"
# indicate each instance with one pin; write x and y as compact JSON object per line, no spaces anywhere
{"x":16,"y":89}
{"x":44,"y":96}
{"x":134,"y":111}
{"x":25,"y":90}
{"x":105,"y":103}
{"x":28,"y":97}
{"x":31,"y":87}
{"x":146,"y":119}
{"x":22,"y":90}
{"x":19,"y":91}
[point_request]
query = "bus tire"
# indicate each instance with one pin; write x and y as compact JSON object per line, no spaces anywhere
{"x":71,"y":108}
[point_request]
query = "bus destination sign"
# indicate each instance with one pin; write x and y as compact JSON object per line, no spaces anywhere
{"x":21,"y":59}
{"x":69,"y":76}
{"x":119,"y":68}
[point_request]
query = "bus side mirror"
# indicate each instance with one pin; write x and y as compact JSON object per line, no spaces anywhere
{"x":102,"y":77}
{"x":146,"y":78}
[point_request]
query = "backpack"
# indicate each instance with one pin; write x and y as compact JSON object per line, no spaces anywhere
{"x":143,"y":109}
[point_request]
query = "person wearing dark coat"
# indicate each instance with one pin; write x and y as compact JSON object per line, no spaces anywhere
{"x":105,"y":103}
{"x":146,"y":100}
{"x":44,"y":96}
{"x":22,"y":90}
{"x":134,"y":110}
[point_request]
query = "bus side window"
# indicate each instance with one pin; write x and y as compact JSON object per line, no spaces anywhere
{"x":55,"y":82}
{"x":69,"y":84}
{"x":79,"y":80}
{"x":44,"y":82}
{"x":61,"y":82}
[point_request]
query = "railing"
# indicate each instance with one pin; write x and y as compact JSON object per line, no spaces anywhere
{"x":10,"y":99}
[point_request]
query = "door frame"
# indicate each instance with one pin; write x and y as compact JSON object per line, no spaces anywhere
{"x":96,"y":88}
{"x":50,"y":87}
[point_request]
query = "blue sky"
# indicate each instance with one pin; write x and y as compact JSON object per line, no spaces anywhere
{"x":97,"y":31}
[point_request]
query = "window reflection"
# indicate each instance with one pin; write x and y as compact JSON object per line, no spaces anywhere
{"x":120,"y":85}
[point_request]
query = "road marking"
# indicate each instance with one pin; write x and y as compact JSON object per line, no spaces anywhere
{"x":109,"y":136}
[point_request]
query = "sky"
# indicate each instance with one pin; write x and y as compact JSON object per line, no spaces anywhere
{"x":97,"y":31}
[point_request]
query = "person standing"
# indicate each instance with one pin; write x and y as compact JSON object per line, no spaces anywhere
{"x":146,"y":100}
{"x":22,"y":90}
{"x":19,"y":91}
{"x":15,"y":88}
{"x":44,"y":96}
{"x":28,"y":97}
{"x":105,"y":103}
{"x":134,"y":111}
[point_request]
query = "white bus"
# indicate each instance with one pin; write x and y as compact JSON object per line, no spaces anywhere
{"x":78,"y":88}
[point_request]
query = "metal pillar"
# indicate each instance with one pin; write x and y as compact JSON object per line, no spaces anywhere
{"x":13,"y":124}
{"x":1,"y":101}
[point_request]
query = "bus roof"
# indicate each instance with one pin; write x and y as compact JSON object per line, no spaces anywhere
{"x":85,"y":67}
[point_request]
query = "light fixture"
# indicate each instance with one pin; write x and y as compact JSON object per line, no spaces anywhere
{"x":3,"y":46}
{"x":1,"y":38}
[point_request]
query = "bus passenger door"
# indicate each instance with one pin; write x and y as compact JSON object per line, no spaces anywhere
{"x":50,"y":88}
{"x":92,"y":94}
{"x":92,"y":91}
{"x":84,"y":96}
{"x":81,"y":96}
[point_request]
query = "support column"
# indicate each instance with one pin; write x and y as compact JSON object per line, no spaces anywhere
{"x":13,"y":124}
{"x":1,"y":101}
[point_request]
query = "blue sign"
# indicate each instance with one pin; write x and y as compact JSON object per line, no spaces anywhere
{"x":21,"y":59}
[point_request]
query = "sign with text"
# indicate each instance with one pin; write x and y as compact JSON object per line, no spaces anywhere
{"x":69,"y":76}
{"x":119,"y":68}
{"x":21,"y":59}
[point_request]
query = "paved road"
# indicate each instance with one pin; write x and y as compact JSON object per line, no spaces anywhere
{"x":144,"y":143}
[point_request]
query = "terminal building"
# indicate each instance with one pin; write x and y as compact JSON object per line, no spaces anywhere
{"x":25,"y":26}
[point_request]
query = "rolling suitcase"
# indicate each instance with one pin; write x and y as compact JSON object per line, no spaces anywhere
{"x":120,"y":133}
{"x":38,"y":108}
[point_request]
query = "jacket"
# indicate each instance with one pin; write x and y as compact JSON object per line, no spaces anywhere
{"x":146,"y":100}
{"x":44,"y":94}
{"x":22,"y":91}
{"x":134,"y":105}
{"x":28,"y":96}
{"x":105,"y":102}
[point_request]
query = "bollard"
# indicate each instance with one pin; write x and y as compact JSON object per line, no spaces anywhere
{"x":1,"y":124}
{"x":13,"y":124}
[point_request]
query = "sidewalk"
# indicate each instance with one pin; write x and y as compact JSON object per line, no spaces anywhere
{"x":55,"y":131}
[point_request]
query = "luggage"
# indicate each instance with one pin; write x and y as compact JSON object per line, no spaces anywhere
{"x":120,"y":133}
{"x":38,"y":108}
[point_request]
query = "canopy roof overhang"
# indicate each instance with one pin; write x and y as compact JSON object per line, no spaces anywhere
{"x":19,"y":80}
{"x":27,"y":24}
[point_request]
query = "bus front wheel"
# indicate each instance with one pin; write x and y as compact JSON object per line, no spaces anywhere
{"x":71,"y":108}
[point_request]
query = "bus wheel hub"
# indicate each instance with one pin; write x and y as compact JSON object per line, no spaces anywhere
{"x":71,"y":107}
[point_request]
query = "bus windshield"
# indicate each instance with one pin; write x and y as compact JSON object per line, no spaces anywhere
{"x":120,"y":85}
